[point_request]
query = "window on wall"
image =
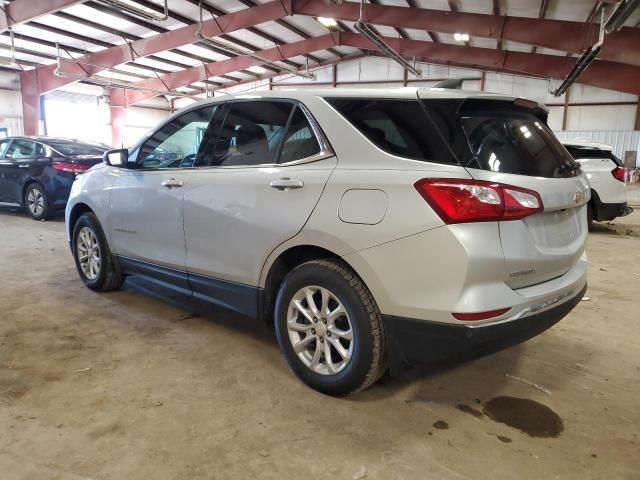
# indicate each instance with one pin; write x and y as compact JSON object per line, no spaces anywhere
{"x":177,"y":144}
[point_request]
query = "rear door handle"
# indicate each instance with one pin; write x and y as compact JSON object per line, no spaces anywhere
{"x":24,"y":165}
{"x":172,"y":182}
{"x":286,"y":184}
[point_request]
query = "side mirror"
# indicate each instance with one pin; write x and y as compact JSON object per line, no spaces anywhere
{"x":116,"y":158}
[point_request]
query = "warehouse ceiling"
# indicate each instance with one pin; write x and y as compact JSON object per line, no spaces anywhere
{"x":245,"y":40}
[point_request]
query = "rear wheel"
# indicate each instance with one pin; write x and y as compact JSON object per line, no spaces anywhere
{"x":37,"y":203}
{"x":329,"y":328}
{"x":94,"y":261}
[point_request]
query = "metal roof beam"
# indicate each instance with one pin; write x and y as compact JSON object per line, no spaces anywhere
{"x":603,"y":74}
{"x":20,"y":11}
{"x":176,"y":80}
{"x":144,"y":47}
{"x":574,"y":37}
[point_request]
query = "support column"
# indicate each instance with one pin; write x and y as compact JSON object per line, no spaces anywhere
{"x":30,"y":97}
{"x":565,"y":111}
{"x":117,"y":125}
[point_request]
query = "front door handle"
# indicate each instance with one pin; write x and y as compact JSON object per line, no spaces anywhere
{"x":24,"y":165}
{"x":286,"y":184}
{"x":172,"y":182}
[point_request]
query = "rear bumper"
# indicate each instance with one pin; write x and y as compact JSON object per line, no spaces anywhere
{"x":414,"y":342}
{"x":609,"y":211}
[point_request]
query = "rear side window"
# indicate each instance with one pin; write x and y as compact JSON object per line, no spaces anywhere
{"x":399,"y":127}
{"x":299,"y":141}
{"x":21,"y":149}
{"x":252,"y":133}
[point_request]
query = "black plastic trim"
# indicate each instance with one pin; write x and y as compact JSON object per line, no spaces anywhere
{"x":419,"y":342}
{"x":244,"y":299}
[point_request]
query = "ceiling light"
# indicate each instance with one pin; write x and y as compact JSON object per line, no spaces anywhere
{"x":461,"y":37}
{"x":328,"y":22}
{"x":256,"y":69}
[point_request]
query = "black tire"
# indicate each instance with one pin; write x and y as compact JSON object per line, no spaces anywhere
{"x":108,"y":276}
{"x":589,"y":216}
{"x":36,"y":202}
{"x":368,"y":359}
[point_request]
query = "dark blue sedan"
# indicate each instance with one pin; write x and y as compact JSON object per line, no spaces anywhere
{"x":37,"y":172}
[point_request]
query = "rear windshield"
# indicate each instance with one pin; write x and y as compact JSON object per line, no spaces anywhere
{"x":71,"y":148}
{"x":579,"y":153}
{"x":475,"y":133}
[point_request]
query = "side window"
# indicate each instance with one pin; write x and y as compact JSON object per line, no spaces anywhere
{"x":176,"y":144}
{"x":252,"y":133}
{"x":299,"y":140}
{"x":3,"y":146}
{"x":21,"y":150}
{"x":41,"y":151}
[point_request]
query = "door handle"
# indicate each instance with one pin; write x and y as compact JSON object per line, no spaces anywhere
{"x":285,"y":184}
{"x":24,"y":165}
{"x":172,"y":182}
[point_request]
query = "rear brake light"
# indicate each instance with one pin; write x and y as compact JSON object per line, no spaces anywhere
{"x":480,"y":315}
{"x":70,"y":167}
{"x":464,"y":201}
{"x":618,"y":173}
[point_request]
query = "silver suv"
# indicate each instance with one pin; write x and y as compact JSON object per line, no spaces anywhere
{"x":373,"y":228}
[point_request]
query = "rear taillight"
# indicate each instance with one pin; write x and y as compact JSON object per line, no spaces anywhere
{"x":618,"y":173}
{"x":480,"y":315}
{"x":70,"y":167}
{"x":464,"y":201}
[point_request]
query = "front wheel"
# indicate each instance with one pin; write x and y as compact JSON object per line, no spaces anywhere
{"x":329,"y":328}
{"x":94,"y":261}
{"x":37,"y":203}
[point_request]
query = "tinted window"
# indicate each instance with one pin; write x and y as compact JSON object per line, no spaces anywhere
{"x":252,"y":133}
{"x":517,"y":143}
{"x":578,"y":153}
{"x":176,"y":144}
{"x":21,"y":149}
{"x":299,"y":141}
{"x":3,"y":146}
{"x":399,"y":127}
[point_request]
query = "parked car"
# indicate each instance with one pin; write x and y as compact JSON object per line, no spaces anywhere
{"x":374,"y":228}
{"x":37,"y":172}
{"x":606,"y":176}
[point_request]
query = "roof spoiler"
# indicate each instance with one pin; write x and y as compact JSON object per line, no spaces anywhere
{"x":450,"y":83}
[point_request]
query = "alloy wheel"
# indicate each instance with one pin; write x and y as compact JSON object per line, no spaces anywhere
{"x":35,"y":202}
{"x":320,"y":330}
{"x":88,"y":252}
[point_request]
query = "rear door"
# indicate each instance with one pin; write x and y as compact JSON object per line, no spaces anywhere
{"x":510,"y":143}
{"x":266,"y":172}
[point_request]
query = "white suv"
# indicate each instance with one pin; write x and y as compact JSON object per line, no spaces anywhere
{"x":374,"y":228}
{"x":606,"y":176}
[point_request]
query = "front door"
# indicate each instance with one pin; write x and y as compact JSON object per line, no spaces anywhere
{"x":16,"y":168}
{"x":145,"y":215}
{"x":266,"y":174}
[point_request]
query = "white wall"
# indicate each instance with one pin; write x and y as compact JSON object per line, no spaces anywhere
{"x":10,"y":105}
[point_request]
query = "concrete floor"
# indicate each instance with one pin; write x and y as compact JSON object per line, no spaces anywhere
{"x":130,"y":386}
